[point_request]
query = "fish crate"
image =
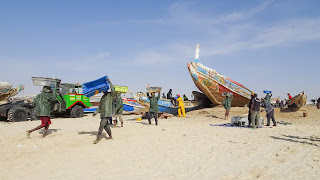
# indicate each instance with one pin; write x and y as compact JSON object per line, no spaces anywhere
{"x":94,"y":87}
{"x":44,"y":81}
{"x":121,"y":89}
{"x":153,"y":89}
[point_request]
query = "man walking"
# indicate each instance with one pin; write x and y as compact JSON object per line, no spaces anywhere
{"x":227,"y":105}
{"x":105,"y":110}
{"x":154,"y":108}
{"x":255,"y":112}
{"x":43,"y":104}
{"x":118,"y":110}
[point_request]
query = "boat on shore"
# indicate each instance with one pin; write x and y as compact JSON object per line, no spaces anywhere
{"x":215,"y":85}
{"x":129,"y":105}
{"x":295,"y":103}
{"x":166,"y":106}
{"x":133,"y":106}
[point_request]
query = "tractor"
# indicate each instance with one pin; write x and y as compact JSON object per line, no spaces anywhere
{"x":69,"y":100}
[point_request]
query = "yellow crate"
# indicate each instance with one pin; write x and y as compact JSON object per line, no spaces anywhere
{"x":121,"y":89}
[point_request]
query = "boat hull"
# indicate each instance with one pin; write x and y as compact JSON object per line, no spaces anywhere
{"x":296,"y":102}
{"x":133,"y":106}
{"x":166,"y":106}
{"x":214,"y":85}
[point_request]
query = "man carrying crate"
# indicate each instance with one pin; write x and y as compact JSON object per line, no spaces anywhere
{"x":154,"y":108}
{"x":105,"y":110}
{"x":43,"y":103}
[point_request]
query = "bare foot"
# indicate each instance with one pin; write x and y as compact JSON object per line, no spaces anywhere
{"x":96,"y":141}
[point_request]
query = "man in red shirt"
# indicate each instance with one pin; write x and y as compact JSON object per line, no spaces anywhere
{"x":290,"y":97}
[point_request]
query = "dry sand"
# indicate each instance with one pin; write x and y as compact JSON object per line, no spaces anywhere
{"x":176,"y":149}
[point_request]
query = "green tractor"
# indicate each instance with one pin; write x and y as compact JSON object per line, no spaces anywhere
{"x":70,"y":102}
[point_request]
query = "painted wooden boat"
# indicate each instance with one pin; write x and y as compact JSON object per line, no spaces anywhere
{"x":6,"y":94}
{"x":133,"y":106}
{"x":129,"y":105}
{"x":166,"y":106}
{"x":215,"y":85}
{"x":296,"y":102}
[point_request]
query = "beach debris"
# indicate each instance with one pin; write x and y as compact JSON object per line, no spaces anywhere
{"x":230,"y":125}
{"x":284,"y":123}
{"x":165,"y":115}
{"x":19,"y":146}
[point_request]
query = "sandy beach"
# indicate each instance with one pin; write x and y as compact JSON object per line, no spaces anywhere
{"x":178,"y":148}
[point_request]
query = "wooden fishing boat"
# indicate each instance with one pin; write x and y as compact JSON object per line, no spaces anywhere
{"x":133,"y":106}
{"x":129,"y":105}
{"x":166,"y":106}
{"x":296,"y":102}
{"x":6,"y":94}
{"x":215,"y":85}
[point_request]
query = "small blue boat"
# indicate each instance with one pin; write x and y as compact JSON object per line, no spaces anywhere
{"x":132,"y":106}
{"x":94,"y":87}
{"x":166,"y":106}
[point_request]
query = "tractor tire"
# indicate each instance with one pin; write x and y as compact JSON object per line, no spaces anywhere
{"x":33,"y":115}
{"x":17,"y":114}
{"x":76,"y":112}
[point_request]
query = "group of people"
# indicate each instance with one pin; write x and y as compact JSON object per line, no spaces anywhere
{"x":254,"y":109}
{"x":43,"y":105}
{"x":111,"y":105}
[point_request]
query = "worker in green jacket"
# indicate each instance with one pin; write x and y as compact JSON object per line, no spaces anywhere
{"x":105,"y":110}
{"x":118,"y":111}
{"x":154,"y":108}
{"x":227,"y":104}
{"x":268,"y":97}
{"x":43,"y":106}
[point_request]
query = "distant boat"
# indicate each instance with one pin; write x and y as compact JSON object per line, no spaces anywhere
{"x":215,"y":85}
{"x":166,"y":106}
{"x":296,"y":102}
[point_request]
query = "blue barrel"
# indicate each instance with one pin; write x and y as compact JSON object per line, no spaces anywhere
{"x":100,"y":85}
{"x":266,"y":91}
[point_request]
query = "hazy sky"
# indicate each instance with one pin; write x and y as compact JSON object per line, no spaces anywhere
{"x":262,"y":44}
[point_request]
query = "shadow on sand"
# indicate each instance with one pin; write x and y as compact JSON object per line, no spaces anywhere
{"x":49,"y":131}
{"x":93,"y":133}
{"x":298,"y":139}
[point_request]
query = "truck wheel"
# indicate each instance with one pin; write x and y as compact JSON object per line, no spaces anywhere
{"x":17,"y":114}
{"x":76,"y":112}
{"x":33,"y":115}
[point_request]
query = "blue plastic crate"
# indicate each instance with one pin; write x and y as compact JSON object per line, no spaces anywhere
{"x":90,"y":88}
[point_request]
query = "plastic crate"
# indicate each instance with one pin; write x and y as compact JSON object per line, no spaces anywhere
{"x":97,"y":86}
{"x":153,"y":89}
{"x":121,"y":89}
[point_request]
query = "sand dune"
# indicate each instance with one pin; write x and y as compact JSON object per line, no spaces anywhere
{"x":176,"y":149}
